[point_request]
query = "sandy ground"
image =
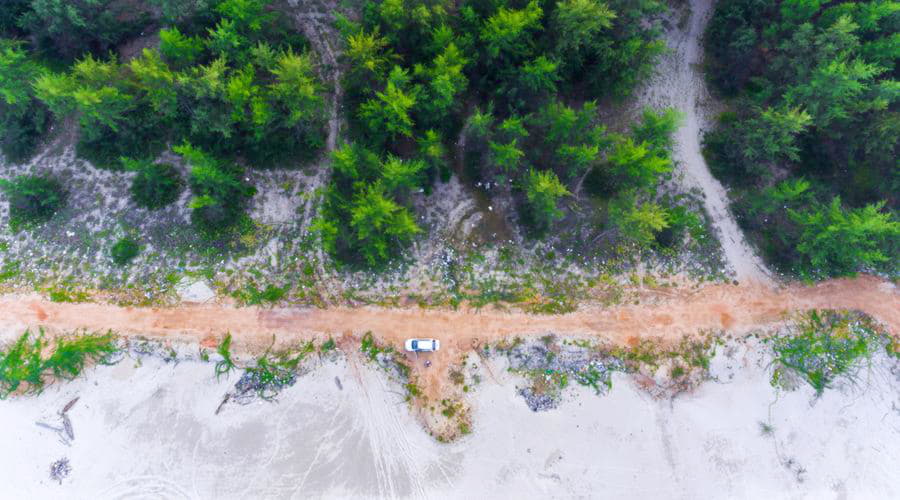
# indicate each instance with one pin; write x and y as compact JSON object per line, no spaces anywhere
{"x":666,"y":314}
{"x":150,"y":431}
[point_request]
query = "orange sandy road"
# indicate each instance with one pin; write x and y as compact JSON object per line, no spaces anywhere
{"x":667,"y":314}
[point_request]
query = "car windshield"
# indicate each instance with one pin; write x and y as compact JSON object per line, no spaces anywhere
{"x":415,"y":344}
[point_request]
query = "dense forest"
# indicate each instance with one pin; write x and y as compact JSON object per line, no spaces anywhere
{"x":504,"y":94}
{"x":810,"y":151}
{"x":517,"y":84}
{"x":232,"y":85}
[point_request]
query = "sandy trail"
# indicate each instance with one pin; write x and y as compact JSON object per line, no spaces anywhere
{"x":667,"y":314}
{"x":679,"y":84}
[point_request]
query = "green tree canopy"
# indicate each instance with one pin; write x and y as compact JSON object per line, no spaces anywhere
{"x":379,"y":224}
{"x":543,"y":191}
{"x":834,"y":240}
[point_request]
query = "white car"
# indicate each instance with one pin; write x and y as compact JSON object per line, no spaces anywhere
{"x":422,"y":345}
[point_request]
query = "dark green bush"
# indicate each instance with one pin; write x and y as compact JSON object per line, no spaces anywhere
{"x":32,"y":199}
{"x":155,"y":185}
{"x":124,"y":251}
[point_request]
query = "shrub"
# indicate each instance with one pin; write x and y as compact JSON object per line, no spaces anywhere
{"x":155,"y":185}
{"x":825,"y":346}
{"x":220,"y":192}
{"x":124,"y":251}
{"x":32,"y":199}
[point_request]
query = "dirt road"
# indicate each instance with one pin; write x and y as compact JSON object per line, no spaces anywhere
{"x":662,"y":314}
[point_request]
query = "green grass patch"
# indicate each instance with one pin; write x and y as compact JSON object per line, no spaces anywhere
{"x":124,"y":251}
{"x":253,"y":296}
{"x":28,"y":362}
{"x":328,"y":346}
{"x":9,"y":270}
{"x":824,"y":346}
{"x":370,"y":348}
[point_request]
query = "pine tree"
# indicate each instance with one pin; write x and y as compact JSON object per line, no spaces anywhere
{"x":543,"y":191}
{"x":379,"y":224}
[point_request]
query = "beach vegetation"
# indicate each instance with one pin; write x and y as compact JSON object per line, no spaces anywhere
{"x":28,"y":363}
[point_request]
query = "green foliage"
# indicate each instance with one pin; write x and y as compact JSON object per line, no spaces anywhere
{"x":246,"y":89}
{"x":420,"y":72}
{"x":656,"y":129}
{"x":815,"y":86}
{"x":635,"y":165}
{"x":328,"y":346}
{"x":363,"y":220}
{"x":835,"y":241}
{"x":124,"y":251}
{"x":572,"y":139}
{"x":271,"y":372}
{"x":20,"y":363}
{"x":179,"y":49}
{"x":509,"y":32}
{"x":32,"y":200}
{"x":9,"y":17}
{"x":387,"y":114}
{"x":70,"y":28}
{"x":180,"y":11}
{"x":23,"y":119}
{"x":732,"y":41}
{"x":70,"y":354}
{"x":226,"y":364}
{"x":251,"y":295}
{"x":378,"y":224}
{"x":154,"y":185}
{"x":29,"y":361}
{"x":543,"y":191}
{"x":370,"y":348}
{"x":578,"y":23}
{"x":220,"y":192}
{"x":824,"y":346}
{"x":640,"y":223}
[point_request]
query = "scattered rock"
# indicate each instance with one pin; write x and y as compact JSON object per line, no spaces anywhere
{"x":190,"y":290}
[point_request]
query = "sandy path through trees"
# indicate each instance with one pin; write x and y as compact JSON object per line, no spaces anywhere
{"x":664,"y":314}
{"x":679,"y":83}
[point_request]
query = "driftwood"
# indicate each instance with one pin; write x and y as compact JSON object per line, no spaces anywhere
{"x":224,"y":400}
{"x":69,"y":406}
{"x":67,"y":425}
